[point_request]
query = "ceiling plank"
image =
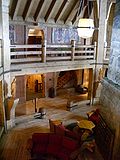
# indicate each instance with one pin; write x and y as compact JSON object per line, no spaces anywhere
{"x":61,"y":10}
{"x":27,"y":9}
{"x":81,"y":11}
{"x":95,"y":14}
{"x":49,"y":10}
{"x":77,"y":17}
{"x":74,"y":18}
{"x":75,"y":1}
{"x":15,"y":8}
{"x":96,"y":21}
{"x":73,"y":12}
{"x":38,"y":10}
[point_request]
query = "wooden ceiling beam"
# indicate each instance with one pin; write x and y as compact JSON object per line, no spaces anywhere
{"x":38,"y":10}
{"x":49,"y":10}
{"x":74,"y":18}
{"x":96,"y":21}
{"x":77,"y":17}
{"x":61,"y":10}
{"x":95,"y":14}
{"x":75,"y":1}
{"x":27,"y":9}
{"x":73,"y":12}
{"x":15,"y":8}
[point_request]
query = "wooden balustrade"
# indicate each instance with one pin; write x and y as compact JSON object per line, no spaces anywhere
{"x":51,"y":53}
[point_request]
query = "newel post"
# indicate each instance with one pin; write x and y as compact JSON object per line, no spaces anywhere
{"x":72,"y":49}
{"x":44,"y":43}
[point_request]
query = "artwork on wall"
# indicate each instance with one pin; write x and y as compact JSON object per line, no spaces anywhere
{"x":64,"y":35}
{"x":11,"y":33}
{"x":17,"y":34}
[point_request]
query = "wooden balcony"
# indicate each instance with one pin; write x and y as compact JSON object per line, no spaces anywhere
{"x":51,"y":57}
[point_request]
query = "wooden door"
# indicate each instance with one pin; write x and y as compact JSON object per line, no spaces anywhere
{"x":21,"y":88}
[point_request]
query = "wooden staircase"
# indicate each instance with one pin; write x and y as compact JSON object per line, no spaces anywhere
{"x":63,"y":80}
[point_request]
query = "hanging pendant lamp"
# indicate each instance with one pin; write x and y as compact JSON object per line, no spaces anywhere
{"x":85,"y":27}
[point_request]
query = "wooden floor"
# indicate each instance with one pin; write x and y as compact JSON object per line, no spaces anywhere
{"x":13,"y":144}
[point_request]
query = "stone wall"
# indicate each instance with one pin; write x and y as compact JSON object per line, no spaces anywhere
{"x":110,"y":110}
{"x":110,"y":93}
{"x":114,"y":64}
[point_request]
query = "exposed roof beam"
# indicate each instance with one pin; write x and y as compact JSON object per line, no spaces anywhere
{"x":78,"y":12}
{"x":74,"y":18}
{"x":38,"y":10}
{"x":15,"y":8}
{"x":73,"y":12}
{"x":77,"y":17}
{"x":61,"y":10}
{"x":86,"y":13}
{"x":27,"y":9}
{"x":49,"y":10}
{"x":75,"y":1}
{"x":90,"y":7}
{"x":95,"y":14}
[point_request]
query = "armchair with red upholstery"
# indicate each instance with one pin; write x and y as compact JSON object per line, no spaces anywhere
{"x":52,"y":144}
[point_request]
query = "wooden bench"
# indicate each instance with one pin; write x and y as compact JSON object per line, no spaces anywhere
{"x":74,"y":104}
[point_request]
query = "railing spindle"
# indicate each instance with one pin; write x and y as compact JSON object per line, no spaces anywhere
{"x":72,"y":49}
{"x":95,"y":50}
{"x":44,"y":43}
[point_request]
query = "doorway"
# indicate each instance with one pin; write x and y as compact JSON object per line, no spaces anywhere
{"x":35,"y":36}
{"x":35,"y":87}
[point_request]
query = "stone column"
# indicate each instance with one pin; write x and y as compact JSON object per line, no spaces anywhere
{"x":100,"y":49}
{"x":4,"y":21}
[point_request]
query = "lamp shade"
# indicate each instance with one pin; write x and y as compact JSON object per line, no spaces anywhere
{"x":85,"y":28}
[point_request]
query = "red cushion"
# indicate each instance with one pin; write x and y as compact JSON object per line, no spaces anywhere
{"x":64,"y":155}
{"x":41,"y":138}
{"x":94,"y":118}
{"x":71,"y":134}
{"x":39,"y":149}
{"x":55,"y":139}
{"x":60,"y":129}
{"x":52,"y":149}
{"x":70,"y":144}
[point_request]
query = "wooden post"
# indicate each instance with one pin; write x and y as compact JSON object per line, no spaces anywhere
{"x":95,"y":50}
{"x":100,"y":48}
{"x":0,"y":52}
{"x":90,"y":85}
{"x":55,"y":82}
{"x":35,"y":105}
{"x":44,"y":51}
{"x":4,"y":21}
{"x":72,"y":49}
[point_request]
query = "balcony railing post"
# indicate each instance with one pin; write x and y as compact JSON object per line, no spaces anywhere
{"x":72,"y":49}
{"x":44,"y":43}
{"x":95,"y":50}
